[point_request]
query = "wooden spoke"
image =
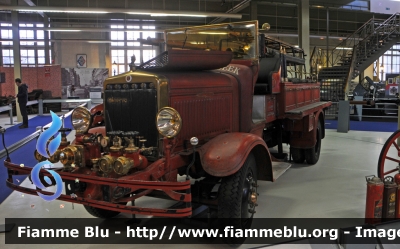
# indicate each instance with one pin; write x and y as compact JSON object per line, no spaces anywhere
{"x":395,"y":145}
{"x":390,"y":171}
{"x":392,"y":159}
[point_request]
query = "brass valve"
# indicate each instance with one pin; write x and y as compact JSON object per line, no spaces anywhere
{"x":106,"y":163}
{"x":116,"y":144}
{"x":143,"y":141}
{"x":131,"y":148}
{"x":55,"y":157}
{"x":39,"y":157}
{"x":64,"y":141}
{"x":122,"y":165}
{"x":71,"y":155}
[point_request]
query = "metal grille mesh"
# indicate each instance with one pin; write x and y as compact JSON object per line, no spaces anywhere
{"x":132,"y":110}
{"x":157,"y":62}
{"x":332,"y":90}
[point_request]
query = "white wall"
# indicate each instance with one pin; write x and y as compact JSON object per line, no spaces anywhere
{"x":65,"y":51}
{"x":385,"y":6}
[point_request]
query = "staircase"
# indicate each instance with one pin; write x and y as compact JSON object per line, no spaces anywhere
{"x":354,"y":54}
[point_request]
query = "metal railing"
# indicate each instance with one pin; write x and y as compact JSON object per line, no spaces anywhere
{"x":373,"y":32}
{"x":40,"y":103}
{"x":87,"y":101}
{"x":8,"y":108}
{"x":350,"y":74}
{"x":13,"y":147}
{"x":339,"y":53}
{"x":381,"y":111}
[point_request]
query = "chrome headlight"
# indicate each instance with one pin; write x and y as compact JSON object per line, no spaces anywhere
{"x":372,"y":87}
{"x":168,"y":122}
{"x":81,"y":119}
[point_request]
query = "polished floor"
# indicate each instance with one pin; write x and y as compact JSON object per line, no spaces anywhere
{"x":333,"y":188}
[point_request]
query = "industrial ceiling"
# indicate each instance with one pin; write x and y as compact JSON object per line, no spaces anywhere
{"x":282,"y":15}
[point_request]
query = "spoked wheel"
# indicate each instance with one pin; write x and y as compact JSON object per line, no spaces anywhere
{"x":389,"y":159}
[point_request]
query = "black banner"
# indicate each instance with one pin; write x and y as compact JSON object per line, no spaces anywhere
{"x":200,"y":231}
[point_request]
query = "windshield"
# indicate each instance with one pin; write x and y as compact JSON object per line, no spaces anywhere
{"x":240,"y":38}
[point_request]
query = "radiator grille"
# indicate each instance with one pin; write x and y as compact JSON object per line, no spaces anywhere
{"x":132,"y":110}
{"x":206,"y":116}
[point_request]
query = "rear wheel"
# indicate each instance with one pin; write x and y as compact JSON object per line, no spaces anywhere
{"x":298,"y":155}
{"x":312,"y":154}
{"x":237,"y":198}
{"x":101,"y":213}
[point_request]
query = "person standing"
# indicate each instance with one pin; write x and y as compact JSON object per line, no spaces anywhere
{"x":22,"y":101}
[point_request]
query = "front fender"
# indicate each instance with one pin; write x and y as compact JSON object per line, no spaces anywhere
{"x":225,"y":154}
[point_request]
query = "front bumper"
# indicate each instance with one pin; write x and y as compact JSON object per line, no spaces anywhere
{"x":178,"y":191}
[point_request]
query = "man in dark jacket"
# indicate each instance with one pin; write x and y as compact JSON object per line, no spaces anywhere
{"x":22,"y":100}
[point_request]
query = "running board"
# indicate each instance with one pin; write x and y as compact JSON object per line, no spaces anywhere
{"x":278,"y":168}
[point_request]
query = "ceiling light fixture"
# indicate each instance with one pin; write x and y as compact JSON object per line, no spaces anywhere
{"x":80,"y":29}
{"x":87,"y":10}
{"x":165,"y":14}
{"x":63,"y":30}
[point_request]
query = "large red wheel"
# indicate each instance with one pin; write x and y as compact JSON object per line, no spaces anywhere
{"x":389,"y":159}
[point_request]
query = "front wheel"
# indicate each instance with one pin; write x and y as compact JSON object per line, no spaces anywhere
{"x":237,"y":198}
{"x":312,"y":154}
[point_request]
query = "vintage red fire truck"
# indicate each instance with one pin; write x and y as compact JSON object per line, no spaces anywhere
{"x":194,"y":125}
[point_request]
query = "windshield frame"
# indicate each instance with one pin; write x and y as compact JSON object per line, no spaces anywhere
{"x":240,"y":37}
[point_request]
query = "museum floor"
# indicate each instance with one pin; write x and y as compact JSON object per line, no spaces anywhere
{"x":333,"y":188}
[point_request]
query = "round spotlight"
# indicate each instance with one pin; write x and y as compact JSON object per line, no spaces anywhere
{"x":169,"y":122}
{"x":81,"y":119}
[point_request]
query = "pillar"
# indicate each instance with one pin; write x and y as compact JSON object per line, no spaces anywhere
{"x":47,"y":60}
{"x":304,"y":29}
{"x":17,"y":53}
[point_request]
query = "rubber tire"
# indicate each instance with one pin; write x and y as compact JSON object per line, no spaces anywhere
{"x":298,"y":155}
{"x":101,"y":213}
{"x":312,"y":154}
{"x":230,"y":199}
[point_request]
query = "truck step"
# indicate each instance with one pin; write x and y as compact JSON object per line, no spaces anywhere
{"x":278,"y":168}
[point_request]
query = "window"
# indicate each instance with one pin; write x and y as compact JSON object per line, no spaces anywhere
{"x":118,"y":61}
{"x":6,"y":33}
{"x":117,"y":35}
{"x":133,"y":52}
{"x":133,"y":36}
{"x":8,"y":56}
{"x":148,"y":34}
{"x":125,"y":43}
{"x":389,"y":63}
{"x":32,"y":51}
{"x":357,"y":5}
{"x":41,"y":56}
{"x":27,"y":57}
{"x":148,"y":54}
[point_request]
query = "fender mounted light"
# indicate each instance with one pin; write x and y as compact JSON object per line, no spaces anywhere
{"x":169,"y":122}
